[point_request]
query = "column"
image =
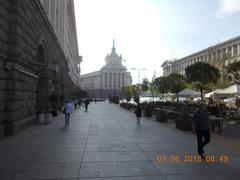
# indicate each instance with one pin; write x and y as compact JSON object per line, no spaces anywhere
{"x":63,"y":16}
{"x":53,"y":12}
{"x":42,"y":2}
{"x":123,"y":79}
{"x":112,"y":80}
{"x":115,"y":80}
{"x":232,"y":51}
{"x":103,"y":81}
{"x":106,"y":76}
{"x":238,"y":49}
{"x":65,"y":30}
{"x":120,"y":76}
{"x":109,"y":80}
{"x":45,"y":5}
{"x":49,"y":10}
{"x":58,"y":18}
{"x":119,"y":80}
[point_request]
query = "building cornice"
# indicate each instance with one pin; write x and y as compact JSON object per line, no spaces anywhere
{"x":227,"y":42}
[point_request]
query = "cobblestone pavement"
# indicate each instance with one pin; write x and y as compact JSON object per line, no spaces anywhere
{"x":106,"y":143}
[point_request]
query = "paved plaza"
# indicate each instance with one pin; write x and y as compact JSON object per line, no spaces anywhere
{"x":106,"y":143}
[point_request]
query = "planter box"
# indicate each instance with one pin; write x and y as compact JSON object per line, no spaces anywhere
{"x":161,"y":115}
{"x":148,"y":111}
{"x":41,"y":118}
{"x":48,"y":118}
{"x":44,"y":118}
{"x":54,"y":112}
{"x":184,"y":123}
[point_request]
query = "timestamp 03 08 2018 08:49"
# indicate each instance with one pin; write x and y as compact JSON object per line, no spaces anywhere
{"x":188,"y":158}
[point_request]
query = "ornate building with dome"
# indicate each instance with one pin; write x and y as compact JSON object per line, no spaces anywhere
{"x":109,"y":81}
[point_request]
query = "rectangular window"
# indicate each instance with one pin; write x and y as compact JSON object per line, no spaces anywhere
{"x":224,"y":54}
{"x":235,"y":50}
{"x":229,"y":51}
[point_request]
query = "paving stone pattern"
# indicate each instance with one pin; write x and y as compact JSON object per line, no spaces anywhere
{"x":106,"y":143}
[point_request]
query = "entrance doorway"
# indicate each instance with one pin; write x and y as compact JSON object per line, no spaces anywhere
{"x":42,"y":83}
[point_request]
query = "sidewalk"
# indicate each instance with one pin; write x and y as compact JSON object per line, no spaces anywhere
{"x":106,"y":143}
{"x":232,"y":143}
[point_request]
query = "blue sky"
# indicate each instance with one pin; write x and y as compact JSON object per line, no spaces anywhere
{"x":148,"y":32}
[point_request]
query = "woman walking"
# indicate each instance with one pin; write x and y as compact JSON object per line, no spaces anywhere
{"x":68,"y":109}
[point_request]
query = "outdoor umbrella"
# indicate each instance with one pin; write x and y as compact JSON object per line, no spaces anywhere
{"x":189,"y":93}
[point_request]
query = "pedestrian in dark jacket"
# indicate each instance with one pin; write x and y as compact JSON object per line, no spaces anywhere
{"x":86,"y":103}
{"x":138,"y":112}
{"x":202,"y":125}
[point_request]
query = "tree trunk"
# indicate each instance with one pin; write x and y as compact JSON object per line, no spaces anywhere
{"x":201,"y":91}
{"x":177,"y":98}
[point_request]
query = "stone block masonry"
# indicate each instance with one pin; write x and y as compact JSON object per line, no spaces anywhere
{"x":28,"y":49}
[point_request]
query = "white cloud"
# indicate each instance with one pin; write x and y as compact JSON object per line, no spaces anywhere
{"x":228,"y":7}
{"x":135,"y":25}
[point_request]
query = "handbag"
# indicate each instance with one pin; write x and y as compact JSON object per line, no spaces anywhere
{"x":64,"y":110}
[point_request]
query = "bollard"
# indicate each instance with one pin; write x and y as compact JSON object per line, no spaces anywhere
{"x":48,"y":118}
{"x":41,"y":118}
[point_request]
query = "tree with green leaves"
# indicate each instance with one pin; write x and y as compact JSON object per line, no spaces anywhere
{"x":145,"y":84}
{"x":233,"y":72}
{"x":129,"y":92}
{"x":81,"y":94}
{"x":162,"y":85}
{"x":176,"y":82}
{"x":135,"y":93}
{"x":202,"y":75}
{"x":152,"y":84}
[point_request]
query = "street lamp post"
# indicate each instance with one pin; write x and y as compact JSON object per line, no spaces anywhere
{"x":139,"y":70}
{"x":143,"y":69}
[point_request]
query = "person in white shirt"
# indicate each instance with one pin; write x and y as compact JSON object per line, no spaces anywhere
{"x":68,"y":111}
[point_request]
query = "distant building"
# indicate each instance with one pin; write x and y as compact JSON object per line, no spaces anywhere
{"x":219,"y":55}
{"x":109,"y":80}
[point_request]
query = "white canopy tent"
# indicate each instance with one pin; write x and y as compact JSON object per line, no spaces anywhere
{"x":230,"y":91}
{"x":211,"y":94}
{"x":189,"y":93}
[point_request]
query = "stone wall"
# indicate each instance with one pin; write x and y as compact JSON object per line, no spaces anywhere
{"x":4,"y":30}
{"x":24,"y":28}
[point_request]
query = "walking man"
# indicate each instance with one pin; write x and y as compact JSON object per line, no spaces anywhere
{"x":202,"y":125}
{"x":138,"y":112}
{"x":86,"y":103}
{"x":68,"y":111}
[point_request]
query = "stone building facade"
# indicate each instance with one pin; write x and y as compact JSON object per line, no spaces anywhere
{"x":33,"y":62}
{"x":61,"y":15}
{"x":109,"y":81}
{"x":218,"y":55}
